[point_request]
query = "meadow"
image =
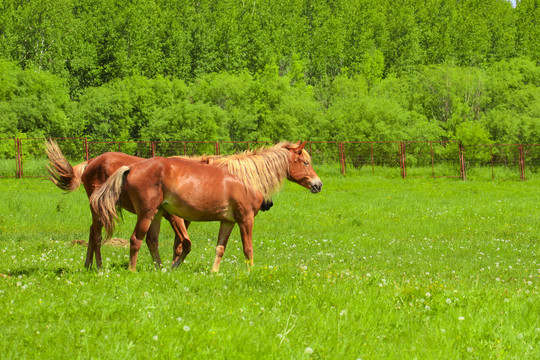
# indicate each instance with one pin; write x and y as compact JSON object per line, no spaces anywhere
{"x":370,"y":268}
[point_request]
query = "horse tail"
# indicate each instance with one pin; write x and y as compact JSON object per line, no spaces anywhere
{"x":104,"y":199}
{"x":62,"y":174}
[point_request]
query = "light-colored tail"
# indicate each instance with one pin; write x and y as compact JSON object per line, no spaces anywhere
{"x":62,"y":174}
{"x":105,"y":199}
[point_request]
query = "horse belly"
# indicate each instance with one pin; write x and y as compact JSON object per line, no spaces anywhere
{"x":199,"y":209}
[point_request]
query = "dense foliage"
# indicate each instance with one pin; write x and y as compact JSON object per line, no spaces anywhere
{"x":266,"y":70}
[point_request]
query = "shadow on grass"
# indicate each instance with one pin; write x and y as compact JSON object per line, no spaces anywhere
{"x":59,"y":271}
{"x":62,"y":270}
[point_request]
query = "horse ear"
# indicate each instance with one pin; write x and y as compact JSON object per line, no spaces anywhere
{"x":301,"y":147}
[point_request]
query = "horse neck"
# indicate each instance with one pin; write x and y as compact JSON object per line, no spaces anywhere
{"x":263,"y":171}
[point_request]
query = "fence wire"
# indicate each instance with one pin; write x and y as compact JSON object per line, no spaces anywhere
{"x":26,"y":157}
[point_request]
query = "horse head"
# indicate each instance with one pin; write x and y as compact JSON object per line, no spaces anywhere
{"x":300,"y":168}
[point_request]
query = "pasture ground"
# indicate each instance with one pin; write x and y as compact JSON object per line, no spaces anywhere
{"x":370,"y":268}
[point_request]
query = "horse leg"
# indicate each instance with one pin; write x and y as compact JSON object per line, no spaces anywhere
{"x":94,"y":243}
{"x":246,"y":232}
{"x":135,"y":242}
{"x":224,"y":233}
{"x":182,"y":243}
{"x":90,"y":249}
{"x":152,"y":240}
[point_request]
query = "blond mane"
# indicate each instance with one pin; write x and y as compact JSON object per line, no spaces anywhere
{"x":263,"y":169}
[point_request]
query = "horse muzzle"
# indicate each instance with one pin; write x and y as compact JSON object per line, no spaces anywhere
{"x":316,"y":186}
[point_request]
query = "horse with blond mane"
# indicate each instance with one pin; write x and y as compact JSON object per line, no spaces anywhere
{"x":92,"y":174}
{"x":230,"y":190}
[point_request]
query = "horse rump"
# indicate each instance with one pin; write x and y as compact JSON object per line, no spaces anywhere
{"x":104,"y":200}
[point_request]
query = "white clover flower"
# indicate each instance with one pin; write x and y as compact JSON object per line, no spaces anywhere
{"x":461,"y":318}
{"x":155,"y":338}
{"x":186,"y":328}
{"x":448,"y":301}
{"x":308,"y":351}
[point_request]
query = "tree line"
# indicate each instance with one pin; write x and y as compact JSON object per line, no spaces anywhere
{"x":265,"y":70}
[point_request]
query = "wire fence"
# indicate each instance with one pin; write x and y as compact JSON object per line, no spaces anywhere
{"x":25,"y":157}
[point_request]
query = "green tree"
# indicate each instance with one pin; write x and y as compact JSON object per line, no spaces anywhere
{"x":528,"y":28}
{"x":185,"y":120}
{"x":33,"y":102}
{"x":448,"y":95}
{"x":436,"y":20}
{"x":120,"y":110}
{"x":514,"y":92}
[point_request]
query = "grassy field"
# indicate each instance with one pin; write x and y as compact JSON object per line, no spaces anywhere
{"x":370,"y":268}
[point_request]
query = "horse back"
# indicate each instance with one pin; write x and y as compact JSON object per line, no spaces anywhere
{"x":190,"y":189}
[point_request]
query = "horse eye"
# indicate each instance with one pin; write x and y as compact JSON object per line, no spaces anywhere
{"x":306,"y":163}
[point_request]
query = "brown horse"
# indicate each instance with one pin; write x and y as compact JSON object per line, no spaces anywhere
{"x":93,"y":173}
{"x":230,"y":190}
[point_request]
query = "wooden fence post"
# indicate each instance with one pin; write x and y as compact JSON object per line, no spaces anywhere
{"x":432,"y":160}
{"x":492,"y":166}
{"x":19,"y":158}
{"x":462,"y":162}
{"x":372,"y":159}
{"x":342,"y":157}
{"x":402,"y":159}
{"x":86,"y":149}
{"x":521,"y":163}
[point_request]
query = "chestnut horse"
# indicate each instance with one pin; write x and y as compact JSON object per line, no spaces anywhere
{"x":230,"y":190}
{"x":93,"y":173}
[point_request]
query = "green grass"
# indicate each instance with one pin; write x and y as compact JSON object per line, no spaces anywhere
{"x":370,"y":268}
